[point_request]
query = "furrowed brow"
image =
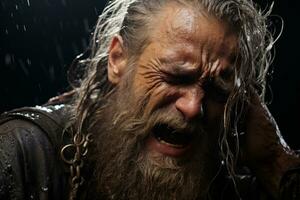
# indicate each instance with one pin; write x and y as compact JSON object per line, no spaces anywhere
{"x":177,"y":67}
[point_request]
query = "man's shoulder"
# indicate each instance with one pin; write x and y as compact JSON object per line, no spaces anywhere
{"x":45,"y":121}
{"x":30,"y":139}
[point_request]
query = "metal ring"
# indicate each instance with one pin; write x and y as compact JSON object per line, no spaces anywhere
{"x":78,"y":139}
{"x":63,"y":157}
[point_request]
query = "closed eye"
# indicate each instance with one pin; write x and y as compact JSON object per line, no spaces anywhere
{"x":180,"y":79}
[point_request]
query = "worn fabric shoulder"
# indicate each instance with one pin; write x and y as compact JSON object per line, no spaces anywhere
{"x":29,"y":158}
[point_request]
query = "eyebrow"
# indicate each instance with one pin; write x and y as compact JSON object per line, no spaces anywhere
{"x":174,"y":67}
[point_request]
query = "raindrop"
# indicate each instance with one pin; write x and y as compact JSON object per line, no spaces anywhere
{"x":238,"y":82}
{"x":59,"y":53}
{"x":248,"y":38}
{"x":7,"y":59}
{"x":17,"y":26}
{"x":11,"y":15}
{"x":25,"y":70}
{"x":96,"y":11}
{"x":6,"y":31}
{"x":94,"y":95}
{"x":44,"y":189}
{"x":24,"y":28}
{"x":31,"y":196}
{"x":28,"y":3}
{"x":28,"y":61}
{"x":86,"y":25}
{"x":17,"y":7}
{"x":52,"y":73}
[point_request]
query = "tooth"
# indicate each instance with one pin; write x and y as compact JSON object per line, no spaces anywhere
{"x":172,"y":145}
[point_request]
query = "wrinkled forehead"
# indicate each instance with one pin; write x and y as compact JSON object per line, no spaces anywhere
{"x":195,"y":27}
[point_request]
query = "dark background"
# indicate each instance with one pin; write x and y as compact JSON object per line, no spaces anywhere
{"x":40,"y":38}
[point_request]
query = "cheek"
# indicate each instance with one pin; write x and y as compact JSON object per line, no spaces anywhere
{"x":159,"y":96}
{"x":155,"y":95}
{"x":149,"y":90}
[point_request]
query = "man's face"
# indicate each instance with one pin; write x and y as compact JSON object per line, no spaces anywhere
{"x":186,"y":70}
{"x":158,"y":133}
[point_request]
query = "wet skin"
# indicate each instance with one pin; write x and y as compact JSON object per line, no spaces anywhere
{"x":185,"y":51}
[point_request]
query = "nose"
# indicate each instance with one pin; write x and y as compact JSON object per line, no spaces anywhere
{"x":189,"y":103}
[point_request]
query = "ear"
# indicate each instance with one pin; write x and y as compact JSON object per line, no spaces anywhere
{"x":117,"y":60}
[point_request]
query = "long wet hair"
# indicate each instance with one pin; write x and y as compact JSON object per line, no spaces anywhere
{"x":130,"y":19}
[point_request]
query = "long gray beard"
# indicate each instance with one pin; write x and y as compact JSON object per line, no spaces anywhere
{"x":124,"y":170}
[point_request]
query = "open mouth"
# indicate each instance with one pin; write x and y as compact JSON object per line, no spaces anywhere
{"x":172,"y":137}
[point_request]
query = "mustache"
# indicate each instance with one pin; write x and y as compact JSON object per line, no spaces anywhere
{"x":146,"y":123}
{"x":130,"y":114}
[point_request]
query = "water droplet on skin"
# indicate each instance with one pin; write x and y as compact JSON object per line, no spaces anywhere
{"x":248,"y":38}
{"x":238,"y":82}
